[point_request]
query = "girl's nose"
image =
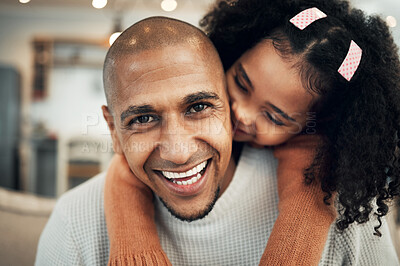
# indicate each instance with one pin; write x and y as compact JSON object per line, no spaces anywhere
{"x":242,"y":114}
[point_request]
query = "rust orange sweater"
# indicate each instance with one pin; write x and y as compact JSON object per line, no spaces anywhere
{"x":301,"y":229}
{"x":298,"y":236}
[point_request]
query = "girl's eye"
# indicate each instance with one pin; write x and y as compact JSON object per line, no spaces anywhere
{"x":240,"y":85}
{"x":197,"y":108}
{"x":274,"y":120}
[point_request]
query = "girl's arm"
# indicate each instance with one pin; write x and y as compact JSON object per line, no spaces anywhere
{"x":129,"y":212}
{"x":301,"y":229}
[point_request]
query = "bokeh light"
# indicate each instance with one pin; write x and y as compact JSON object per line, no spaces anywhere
{"x":169,"y":5}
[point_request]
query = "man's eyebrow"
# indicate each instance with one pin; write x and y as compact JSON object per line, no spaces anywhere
{"x":198,"y":96}
{"x":282,"y":113}
{"x":244,"y":74}
{"x":136,"y":110}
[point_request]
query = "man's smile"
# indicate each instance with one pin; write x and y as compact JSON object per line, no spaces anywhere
{"x":186,"y":183}
{"x":188,"y":177}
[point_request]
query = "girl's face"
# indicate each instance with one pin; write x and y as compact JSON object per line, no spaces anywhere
{"x":269,"y":104}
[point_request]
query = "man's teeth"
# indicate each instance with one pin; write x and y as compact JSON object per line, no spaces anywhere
{"x":188,"y":182}
{"x":195,"y":171}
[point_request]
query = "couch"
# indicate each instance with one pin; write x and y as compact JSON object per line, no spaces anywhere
{"x":22,"y":219}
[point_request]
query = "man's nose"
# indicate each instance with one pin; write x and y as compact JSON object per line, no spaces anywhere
{"x":178,"y":142}
{"x":242,"y":113}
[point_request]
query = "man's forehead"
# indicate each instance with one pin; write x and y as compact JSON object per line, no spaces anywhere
{"x":149,"y":60}
{"x":173,"y":69}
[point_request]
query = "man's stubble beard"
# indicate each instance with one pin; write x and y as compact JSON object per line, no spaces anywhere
{"x":200,"y":215}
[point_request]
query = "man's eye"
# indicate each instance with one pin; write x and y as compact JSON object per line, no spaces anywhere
{"x":241,"y":87}
{"x":198,"y":108}
{"x":144,"y":119}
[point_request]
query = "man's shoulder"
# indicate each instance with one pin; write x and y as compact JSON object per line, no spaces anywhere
{"x":94,"y":186}
{"x":77,"y":226}
{"x":83,"y":204}
{"x":87,"y":197}
{"x":357,"y":245}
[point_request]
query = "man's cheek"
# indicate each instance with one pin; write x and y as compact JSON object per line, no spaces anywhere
{"x":218,"y":132}
{"x":217,"y":126}
{"x":136,"y":165}
{"x":136,"y":153}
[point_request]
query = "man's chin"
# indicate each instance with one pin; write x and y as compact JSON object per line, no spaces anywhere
{"x":194,"y":216}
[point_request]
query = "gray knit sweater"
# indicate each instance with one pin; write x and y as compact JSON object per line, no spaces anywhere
{"x":234,"y":233}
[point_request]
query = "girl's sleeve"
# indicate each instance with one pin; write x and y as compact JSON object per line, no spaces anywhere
{"x":129,"y":213}
{"x":301,"y":229}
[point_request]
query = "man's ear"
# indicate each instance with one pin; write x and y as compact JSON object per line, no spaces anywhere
{"x":111,"y":125}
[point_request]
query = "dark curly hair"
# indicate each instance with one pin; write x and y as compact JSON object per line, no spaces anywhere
{"x":358,"y":120}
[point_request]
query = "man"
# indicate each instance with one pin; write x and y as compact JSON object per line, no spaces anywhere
{"x":168,"y":112}
{"x":174,"y":106}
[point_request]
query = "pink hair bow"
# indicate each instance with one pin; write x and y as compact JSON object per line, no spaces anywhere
{"x":306,"y":17}
{"x":351,"y":62}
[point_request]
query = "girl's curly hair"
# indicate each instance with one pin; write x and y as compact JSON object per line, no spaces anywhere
{"x":359,"y":120}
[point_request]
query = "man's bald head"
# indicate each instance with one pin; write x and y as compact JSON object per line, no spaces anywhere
{"x":156,"y":33}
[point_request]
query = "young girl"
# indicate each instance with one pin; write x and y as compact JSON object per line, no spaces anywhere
{"x":318,"y":81}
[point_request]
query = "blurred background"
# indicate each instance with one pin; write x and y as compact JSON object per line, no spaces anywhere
{"x":52,"y":133}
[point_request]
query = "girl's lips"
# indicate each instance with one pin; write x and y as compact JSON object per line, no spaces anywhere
{"x":239,"y":132}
